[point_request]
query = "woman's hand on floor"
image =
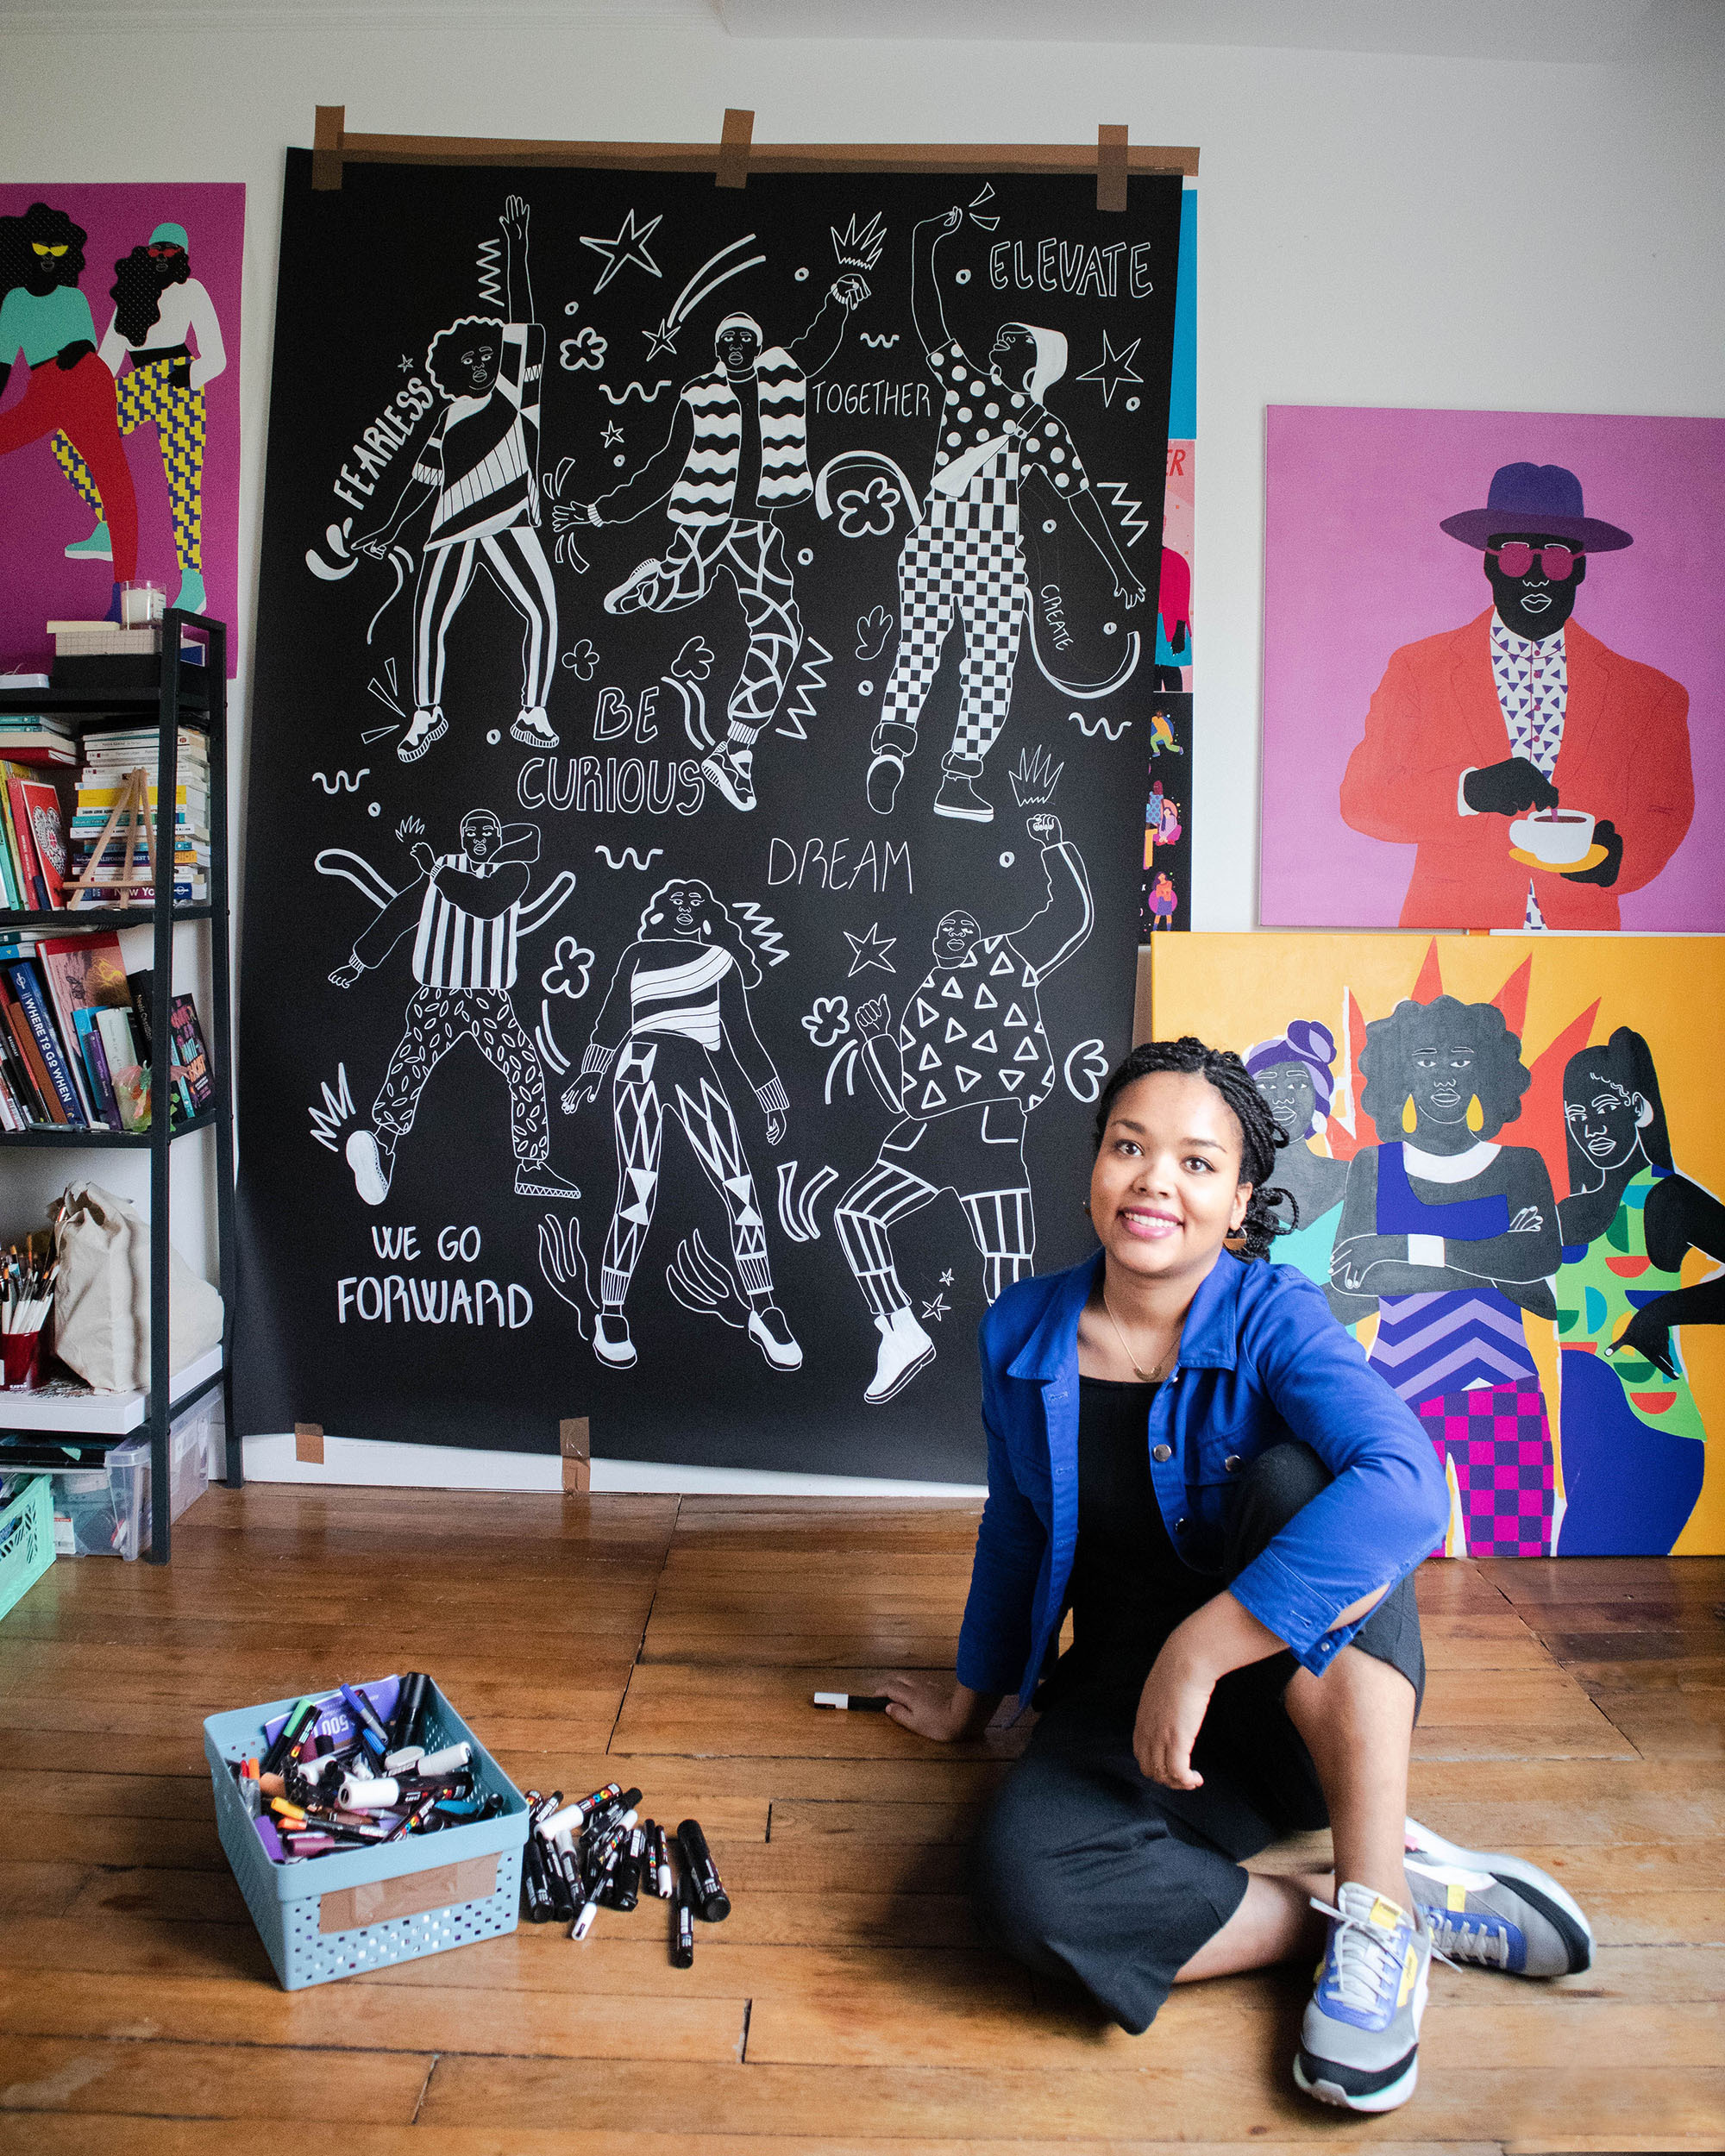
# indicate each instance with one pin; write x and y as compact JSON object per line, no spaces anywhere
{"x":937,"y":1706}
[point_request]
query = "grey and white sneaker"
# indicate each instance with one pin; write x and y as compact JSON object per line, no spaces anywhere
{"x":1359,"y":2043}
{"x":1496,"y":1912}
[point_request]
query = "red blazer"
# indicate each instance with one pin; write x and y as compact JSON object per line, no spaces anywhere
{"x":1435,"y":714}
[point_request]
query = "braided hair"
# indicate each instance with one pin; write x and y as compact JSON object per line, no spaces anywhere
{"x":1262,"y":1137}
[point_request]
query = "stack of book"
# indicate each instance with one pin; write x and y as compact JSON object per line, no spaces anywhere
{"x":111,"y":754}
{"x":34,"y":858}
{"x":37,"y":737}
{"x":75,"y":1038}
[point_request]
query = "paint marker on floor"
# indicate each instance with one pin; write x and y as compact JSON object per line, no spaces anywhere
{"x":683,"y":1930}
{"x":700,"y":1874}
{"x":853,"y":1702}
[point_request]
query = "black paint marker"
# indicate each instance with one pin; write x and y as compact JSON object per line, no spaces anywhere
{"x":563,"y":1876}
{"x":535,"y":1886}
{"x":712,"y":1900}
{"x":626,"y":1887}
{"x":302,"y":1715}
{"x":683,"y":1928}
{"x":853,"y":1702}
{"x":409,"y":1704}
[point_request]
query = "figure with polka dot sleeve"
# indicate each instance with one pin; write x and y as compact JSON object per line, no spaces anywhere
{"x":963,"y":563}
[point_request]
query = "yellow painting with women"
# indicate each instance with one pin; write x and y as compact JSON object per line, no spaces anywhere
{"x":1504,"y":1166}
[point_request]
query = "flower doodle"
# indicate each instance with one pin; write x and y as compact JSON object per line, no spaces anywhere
{"x":828,"y":1021}
{"x":583,"y":661}
{"x":586,"y":348}
{"x":870,"y":510}
{"x":569,"y":973}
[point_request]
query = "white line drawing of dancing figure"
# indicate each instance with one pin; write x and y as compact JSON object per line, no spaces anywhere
{"x":737,"y":451}
{"x":679,"y":996}
{"x":480,"y":461}
{"x":970,"y":1062}
{"x":466,"y":914}
{"x":963,"y":562}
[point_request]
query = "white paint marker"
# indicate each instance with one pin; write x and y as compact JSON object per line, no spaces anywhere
{"x":359,"y":1794}
{"x":853,"y":1702}
{"x":434,"y":1765}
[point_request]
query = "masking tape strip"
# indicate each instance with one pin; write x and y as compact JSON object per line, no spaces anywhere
{"x":307,"y":1442}
{"x":326,"y":148}
{"x":575,"y":1446}
{"x":733,"y":149}
{"x":1111,"y":168}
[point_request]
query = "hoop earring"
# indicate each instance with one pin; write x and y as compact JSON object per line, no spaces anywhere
{"x":1410,"y":1117}
{"x":1476,"y":1114}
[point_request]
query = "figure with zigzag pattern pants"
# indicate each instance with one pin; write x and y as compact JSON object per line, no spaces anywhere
{"x":679,"y":993}
{"x":969,"y":1061}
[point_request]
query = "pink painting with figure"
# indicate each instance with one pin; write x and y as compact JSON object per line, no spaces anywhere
{"x":1490,"y":646}
{"x":119,"y":404}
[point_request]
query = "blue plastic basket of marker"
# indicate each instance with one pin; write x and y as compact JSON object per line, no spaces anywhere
{"x":335,"y":1915}
{"x":26,"y":1541}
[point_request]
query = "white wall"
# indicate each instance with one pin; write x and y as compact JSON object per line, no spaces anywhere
{"x":1374,"y":230}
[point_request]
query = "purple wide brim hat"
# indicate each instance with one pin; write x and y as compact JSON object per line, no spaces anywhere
{"x":1540,"y":498}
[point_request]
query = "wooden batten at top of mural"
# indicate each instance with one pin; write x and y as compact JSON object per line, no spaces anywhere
{"x":1503,"y":1165}
{"x":693,"y":920}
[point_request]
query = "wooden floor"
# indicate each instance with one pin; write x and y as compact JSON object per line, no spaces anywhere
{"x":1575,"y":1713}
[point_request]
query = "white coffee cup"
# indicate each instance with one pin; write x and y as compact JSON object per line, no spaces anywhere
{"x":1560,"y":838}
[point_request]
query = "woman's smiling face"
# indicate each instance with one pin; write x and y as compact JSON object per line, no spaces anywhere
{"x":1166,"y":1192}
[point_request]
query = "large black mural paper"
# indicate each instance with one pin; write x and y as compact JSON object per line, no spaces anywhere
{"x":704,"y":680}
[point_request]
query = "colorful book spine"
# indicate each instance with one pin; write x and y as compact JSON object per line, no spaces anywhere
{"x":28,"y":991}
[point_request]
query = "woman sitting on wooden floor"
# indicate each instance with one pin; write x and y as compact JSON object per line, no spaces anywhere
{"x":1187,"y":1451}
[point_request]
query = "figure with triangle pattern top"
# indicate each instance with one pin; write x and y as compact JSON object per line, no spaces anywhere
{"x":968,"y":1063}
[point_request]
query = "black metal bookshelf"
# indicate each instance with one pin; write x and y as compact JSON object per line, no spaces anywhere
{"x":186,"y":695}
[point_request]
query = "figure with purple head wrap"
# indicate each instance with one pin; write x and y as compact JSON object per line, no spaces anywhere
{"x":1294,"y":1072}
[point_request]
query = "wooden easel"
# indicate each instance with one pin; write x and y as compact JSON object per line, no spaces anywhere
{"x":130,"y":815}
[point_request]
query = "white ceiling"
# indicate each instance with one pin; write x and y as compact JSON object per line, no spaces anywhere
{"x":1573,"y":31}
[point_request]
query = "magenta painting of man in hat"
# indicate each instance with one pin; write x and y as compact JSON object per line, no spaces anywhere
{"x":1483,"y":632}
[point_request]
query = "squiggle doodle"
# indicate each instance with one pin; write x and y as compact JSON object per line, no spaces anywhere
{"x":630,"y":858}
{"x":760,"y":926}
{"x":337,"y":1109}
{"x":341,"y":783}
{"x":880,"y":343}
{"x":796,"y":1208}
{"x":564,"y":1264}
{"x":546,"y":1039}
{"x":810,"y":674}
{"x":701,"y":1283}
{"x":635,"y":389}
{"x":491,"y":272}
{"x":1093,"y":1068}
{"x":1132,"y":522}
{"x":1114,"y":728}
{"x":586,"y":348}
{"x":337,"y":861}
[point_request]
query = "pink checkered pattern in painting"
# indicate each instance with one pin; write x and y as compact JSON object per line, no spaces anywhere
{"x":1500,"y":1443}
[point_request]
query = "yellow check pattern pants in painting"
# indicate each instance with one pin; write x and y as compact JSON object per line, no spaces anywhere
{"x":149,"y":392}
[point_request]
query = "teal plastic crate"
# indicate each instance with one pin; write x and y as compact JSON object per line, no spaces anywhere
{"x":26,"y":1541}
{"x":452,"y":1894}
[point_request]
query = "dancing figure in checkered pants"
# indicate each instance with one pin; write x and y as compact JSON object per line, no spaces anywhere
{"x":969,"y":1062}
{"x":737,"y":453}
{"x":680,"y":995}
{"x":963,"y":563}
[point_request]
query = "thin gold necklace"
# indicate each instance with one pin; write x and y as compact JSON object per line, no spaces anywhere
{"x":1145,"y":1377}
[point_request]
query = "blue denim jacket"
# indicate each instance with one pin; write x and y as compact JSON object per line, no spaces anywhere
{"x":1261,"y":1360}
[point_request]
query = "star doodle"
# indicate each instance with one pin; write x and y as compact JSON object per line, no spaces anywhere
{"x":612,"y":435}
{"x":870,"y":950}
{"x":946,"y":1277}
{"x":630,"y":246}
{"x":1112,"y":369}
{"x":938,"y":1309}
{"x":663,"y":339}
{"x":407,"y":363}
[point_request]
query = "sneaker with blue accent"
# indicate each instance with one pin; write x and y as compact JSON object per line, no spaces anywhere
{"x":1359,"y":2043}
{"x":1496,"y":1912}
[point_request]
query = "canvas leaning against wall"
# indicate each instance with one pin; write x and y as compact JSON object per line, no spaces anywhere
{"x":119,"y":403}
{"x":1505,"y":1169}
{"x":1493,"y":659}
{"x":704,"y":676}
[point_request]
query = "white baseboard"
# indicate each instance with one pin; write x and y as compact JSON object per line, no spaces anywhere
{"x":370,"y":1461}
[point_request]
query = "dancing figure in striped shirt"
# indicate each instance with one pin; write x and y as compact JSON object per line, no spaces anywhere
{"x":680,"y":994}
{"x":737,"y":451}
{"x":466,"y":913}
{"x":479,"y":467}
